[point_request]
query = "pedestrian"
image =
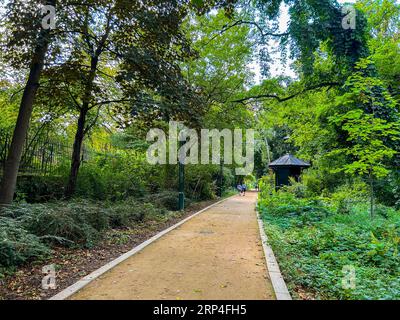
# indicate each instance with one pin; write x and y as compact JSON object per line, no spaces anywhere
{"x":239,"y":188}
{"x":244,"y":188}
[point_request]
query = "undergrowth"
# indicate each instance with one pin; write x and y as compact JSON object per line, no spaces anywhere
{"x":321,"y":243}
{"x":29,"y":232}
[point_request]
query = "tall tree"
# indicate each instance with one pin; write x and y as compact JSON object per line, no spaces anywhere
{"x":124,"y":56}
{"x":27,"y":43}
{"x":315,"y":30}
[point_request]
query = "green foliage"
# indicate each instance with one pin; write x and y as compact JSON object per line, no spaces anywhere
{"x":312,"y":253}
{"x":320,"y":180}
{"x":167,"y":199}
{"x":115,"y":177}
{"x":296,"y":188}
{"x":29,"y":231}
{"x":370,"y":151}
{"x":125,"y":174}
{"x":73,"y":223}
{"x":131,"y":212}
{"x":388,"y":189}
{"x":17,"y":245}
{"x":384,"y":25}
{"x":38,"y":188}
{"x":221,"y":76}
{"x":80,"y":222}
{"x":201,"y":181}
{"x":347,"y":195}
{"x":314,"y":22}
{"x":283,"y":204}
{"x":368,"y":119}
{"x":8,"y":110}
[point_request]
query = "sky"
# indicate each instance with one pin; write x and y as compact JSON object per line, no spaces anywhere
{"x":278,"y":68}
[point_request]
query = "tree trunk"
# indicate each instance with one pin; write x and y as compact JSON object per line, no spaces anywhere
{"x":86,"y":102}
{"x":12,"y":164}
{"x":372,"y":209}
{"x":80,"y":131}
{"x":76,"y":154}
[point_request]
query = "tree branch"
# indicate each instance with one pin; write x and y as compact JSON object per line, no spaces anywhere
{"x":253,"y":23}
{"x":283,"y":99}
{"x":109,"y":102}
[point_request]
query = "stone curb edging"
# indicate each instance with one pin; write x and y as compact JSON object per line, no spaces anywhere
{"x":69,"y":291}
{"x":278,"y":283}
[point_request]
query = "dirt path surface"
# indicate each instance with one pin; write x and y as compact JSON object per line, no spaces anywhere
{"x":216,"y":255}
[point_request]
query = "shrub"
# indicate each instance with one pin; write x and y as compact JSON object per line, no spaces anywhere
{"x":276,"y":199}
{"x":319,"y":178}
{"x":125,"y":214}
{"x":346,"y":196}
{"x":344,"y":205}
{"x":167,"y":199}
{"x":201,"y":181}
{"x":17,"y":245}
{"x":81,"y":222}
{"x":39,"y":188}
{"x":71,"y":223}
{"x":115,"y":177}
{"x":312,"y":248}
{"x":297,"y":188}
{"x":90,"y":183}
{"x":313,"y":182}
{"x":387,"y":191}
{"x":382,"y":210}
{"x":27,"y":229}
{"x":93,"y":214}
{"x":266,"y":186}
{"x":129,"y":212}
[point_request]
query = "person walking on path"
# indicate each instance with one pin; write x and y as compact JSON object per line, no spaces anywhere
{"x":239,"y":188}
{"x":244,"y":188}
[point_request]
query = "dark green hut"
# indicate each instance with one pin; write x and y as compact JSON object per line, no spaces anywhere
{"x":286,"y":167}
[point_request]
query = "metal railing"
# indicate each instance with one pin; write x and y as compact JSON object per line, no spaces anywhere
{"x":43,"y":156}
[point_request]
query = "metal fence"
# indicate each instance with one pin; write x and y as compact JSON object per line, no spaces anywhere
{"x":42,"y":156}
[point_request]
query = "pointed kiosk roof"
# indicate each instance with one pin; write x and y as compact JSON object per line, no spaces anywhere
{"x":289,"y":160}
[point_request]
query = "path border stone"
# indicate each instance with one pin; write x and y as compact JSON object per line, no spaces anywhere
{"x":278,"y":283}
{"x":69,"y":291}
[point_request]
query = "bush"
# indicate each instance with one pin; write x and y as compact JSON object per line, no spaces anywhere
{"x":167,"y":199}
{"x":201,"y":181}
{"x":129,"y":212}
{"x":17,"y":245}
{"x":297,"y":188}
{"x":347,"y":196}
{"x":313,"y":248}
{"x":26,"y":230}
{"x":40,"y":188}
{"x":387,"y":191}
{"x":93,"y":214}
{"x":91,"y":184}
{"x":81,"y":222}
{"x":114,"y":177}
{"x":71,"y":223}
